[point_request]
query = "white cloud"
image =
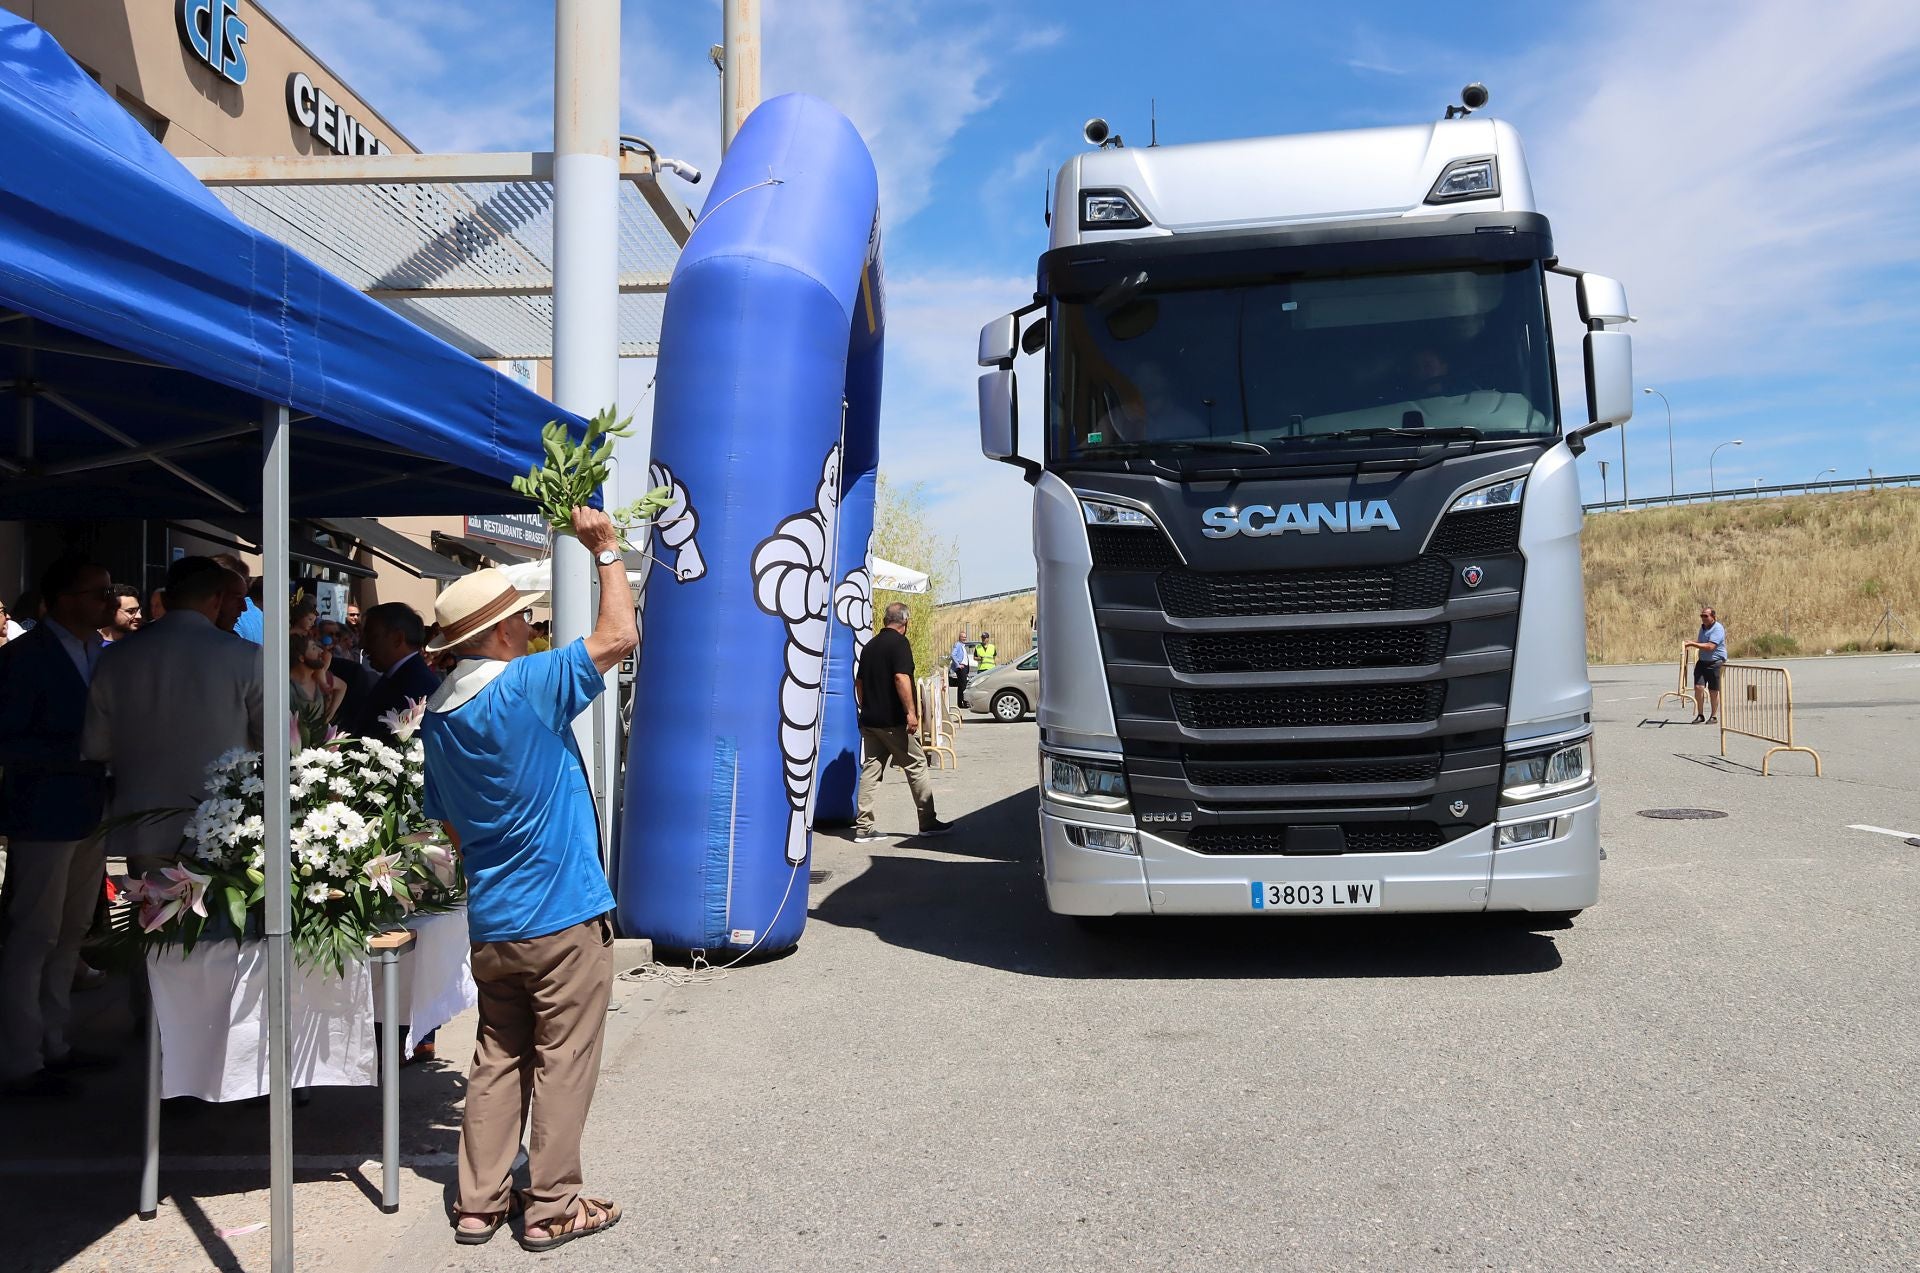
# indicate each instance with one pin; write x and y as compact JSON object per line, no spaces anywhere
{"x":930,"y":427}
{"x":1747,"y":169}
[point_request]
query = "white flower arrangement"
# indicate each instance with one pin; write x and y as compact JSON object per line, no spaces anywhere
{"x":362,"y":854}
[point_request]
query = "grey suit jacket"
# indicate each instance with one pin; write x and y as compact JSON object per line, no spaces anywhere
{"x":166,"y":702}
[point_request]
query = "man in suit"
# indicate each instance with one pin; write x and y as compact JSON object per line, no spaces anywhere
{"x":169,"y":700}
{"x":50,"y":804}
{"x":392,"y":635}
{"x":347,"y":668}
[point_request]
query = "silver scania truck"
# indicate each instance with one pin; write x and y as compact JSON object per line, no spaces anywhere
{"x":1307,"y":528}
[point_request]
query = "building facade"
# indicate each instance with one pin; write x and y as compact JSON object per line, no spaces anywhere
{"x":224,"y":77}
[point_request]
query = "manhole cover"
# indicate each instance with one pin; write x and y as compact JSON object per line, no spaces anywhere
{"x":1682,"y":815}
{"x":815,"y":877}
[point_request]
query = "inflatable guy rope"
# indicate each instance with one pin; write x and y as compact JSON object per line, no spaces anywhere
{"x":771,"y":334}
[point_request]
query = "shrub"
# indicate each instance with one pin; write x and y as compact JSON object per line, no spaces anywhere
{"x":1768,"y":645}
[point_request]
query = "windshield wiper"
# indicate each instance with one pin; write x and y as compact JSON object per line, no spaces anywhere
{"x":1121,"y":450}
{"x":1441,"y":433}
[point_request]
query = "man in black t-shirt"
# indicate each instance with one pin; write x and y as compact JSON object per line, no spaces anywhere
{"x":890,"y":725}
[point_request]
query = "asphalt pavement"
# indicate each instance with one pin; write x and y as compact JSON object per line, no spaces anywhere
{"x":1709,"y":1070}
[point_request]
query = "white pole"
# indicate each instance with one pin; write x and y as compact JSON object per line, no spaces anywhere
{"x":740,"y":68}
{"x":586,"y":300}
{"x":276,"y":436}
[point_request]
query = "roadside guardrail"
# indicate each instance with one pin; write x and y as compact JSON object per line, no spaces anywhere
{"x":1683,"y":688}
{"x":1875,"y":483}
{"x":1756,"y":701}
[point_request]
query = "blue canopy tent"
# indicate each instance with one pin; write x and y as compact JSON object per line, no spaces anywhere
{"x":165,"y":360}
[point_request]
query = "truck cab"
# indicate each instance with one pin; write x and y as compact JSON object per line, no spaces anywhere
{"x":1307,"y":528}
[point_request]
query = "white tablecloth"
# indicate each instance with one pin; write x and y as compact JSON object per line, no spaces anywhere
{"x":212,"y":1010}
{"x":436,"y":979}
{"x":211,"y":1006}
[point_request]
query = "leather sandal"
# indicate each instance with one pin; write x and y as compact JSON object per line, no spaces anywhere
{"x":595,"y":1215}
{"x":494,"y":1219}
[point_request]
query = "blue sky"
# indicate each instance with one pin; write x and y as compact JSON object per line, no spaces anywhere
{"x":1750,"y":170}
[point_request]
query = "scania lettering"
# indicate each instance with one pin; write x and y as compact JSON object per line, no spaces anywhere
{"x":1307,"y":527}
{"x":1308,"y":519}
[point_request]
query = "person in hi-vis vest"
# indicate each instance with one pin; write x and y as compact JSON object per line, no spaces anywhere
{"x":985,"y":657}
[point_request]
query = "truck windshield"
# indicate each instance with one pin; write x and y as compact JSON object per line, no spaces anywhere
{"x":1286,"y":366}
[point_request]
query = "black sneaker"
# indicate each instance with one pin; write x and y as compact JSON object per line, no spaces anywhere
{"x":938,"y":828}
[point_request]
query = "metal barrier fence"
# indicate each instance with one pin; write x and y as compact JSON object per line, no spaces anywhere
{"x":1756,"y":492}
{"x":937,"y":723}
{"x":1756,"y":701}
{"x":1683,"y":688}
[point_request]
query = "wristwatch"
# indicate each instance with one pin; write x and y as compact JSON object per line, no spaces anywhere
{"x":606,"y":557}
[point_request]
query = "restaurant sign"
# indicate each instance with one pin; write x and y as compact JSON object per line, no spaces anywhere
{"x":525,"y":530}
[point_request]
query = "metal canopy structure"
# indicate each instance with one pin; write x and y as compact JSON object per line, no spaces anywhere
{"x":390,"y":545}
{"x":460,"y":244}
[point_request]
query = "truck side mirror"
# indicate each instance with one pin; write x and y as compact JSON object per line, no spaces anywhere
{"x":1609,"y":377}
{"x":999,"y":413}
{"x":1602,"y":300}
{"x":996,"y":342}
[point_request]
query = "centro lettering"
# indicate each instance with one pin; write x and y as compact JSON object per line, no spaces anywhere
{"x":1258,"y":520}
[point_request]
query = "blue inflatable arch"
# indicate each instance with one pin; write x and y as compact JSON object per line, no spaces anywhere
{"x":766,"y":415}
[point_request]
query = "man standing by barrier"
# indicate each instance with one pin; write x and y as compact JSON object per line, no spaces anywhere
{"x":961,"y":659}
{"x":1712,"y":644}
{"x":505,"y":776}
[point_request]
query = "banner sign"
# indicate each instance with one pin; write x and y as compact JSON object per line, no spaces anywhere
{"x":525,"y":530}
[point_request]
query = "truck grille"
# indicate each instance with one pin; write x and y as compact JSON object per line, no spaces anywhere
{"x":1362,"y":837}
{"x":1482,"y":533}
{"x":1285,"y":773}
{"x":1299,"y":708}
{"x":1289,"y":651}
{"x":1414,"y":585}
{"x":1130,"y":548}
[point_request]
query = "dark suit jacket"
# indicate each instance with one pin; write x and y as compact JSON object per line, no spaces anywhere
{"x":46,"y":791}
{"x":412,"y":679}
{"x":359,"y":680}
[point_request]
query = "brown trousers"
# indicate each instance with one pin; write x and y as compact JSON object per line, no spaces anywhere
{"x":543,"y":1014}
{"x":903,"y":749}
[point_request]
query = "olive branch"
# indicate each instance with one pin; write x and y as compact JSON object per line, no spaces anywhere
{"x":573,"y":471}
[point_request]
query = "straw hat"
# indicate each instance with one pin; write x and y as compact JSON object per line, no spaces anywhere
{"x":475,"y":603}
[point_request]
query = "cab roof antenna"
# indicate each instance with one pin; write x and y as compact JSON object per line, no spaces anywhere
{"x":1472,"y":97}
{"x":1153,"y":122}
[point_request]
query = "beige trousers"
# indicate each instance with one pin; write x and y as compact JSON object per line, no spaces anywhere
{"x":52,"y":889}
{"x":902,"y":748}
{"x":543,"y":1014}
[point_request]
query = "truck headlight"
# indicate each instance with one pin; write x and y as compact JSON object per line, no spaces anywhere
{"x":1547,"y":771}
{"x":1477,"y":178}
{"x":1517,"y":833}
{"x":1499,"y":495}
{"x":1099,"y":512}
{"x":1077,"y":780}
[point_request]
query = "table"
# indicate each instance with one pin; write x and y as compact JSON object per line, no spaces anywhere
{"x":210,"y":1004}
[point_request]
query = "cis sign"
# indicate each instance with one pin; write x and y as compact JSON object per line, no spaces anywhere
{"x":217,"y":34}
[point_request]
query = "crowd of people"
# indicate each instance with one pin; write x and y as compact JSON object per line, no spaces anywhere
{"x":111,"y":708}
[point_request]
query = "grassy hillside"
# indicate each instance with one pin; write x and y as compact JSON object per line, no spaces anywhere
{"x":1801,"y":575}
{"x":1804,"y":574}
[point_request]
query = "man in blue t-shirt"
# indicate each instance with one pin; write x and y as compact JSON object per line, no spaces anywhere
{"x":504,"y":775}
{"x":1712,"y":644}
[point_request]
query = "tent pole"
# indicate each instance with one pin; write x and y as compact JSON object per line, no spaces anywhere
{"x":276,"y":436}
{"x":586,"y":302}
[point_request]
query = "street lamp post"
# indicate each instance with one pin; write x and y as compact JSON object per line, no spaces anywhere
{"x":1713,"y":486}
{"x":1603,"y":483}
{"x":1626,"y":501}
{"x":1822,"y":473}
{"x":1672,"y":488}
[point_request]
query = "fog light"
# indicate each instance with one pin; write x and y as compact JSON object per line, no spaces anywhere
{"x":1528,"y":832}
{"x":1106,"y":839}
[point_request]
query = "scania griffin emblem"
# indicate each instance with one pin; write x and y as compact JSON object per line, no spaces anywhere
{"x":1472,"y":576}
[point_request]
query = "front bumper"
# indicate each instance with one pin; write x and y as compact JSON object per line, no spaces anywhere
{"x":1468,"y":874}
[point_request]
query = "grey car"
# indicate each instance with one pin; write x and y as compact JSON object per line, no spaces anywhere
{"x":1009,"y":691}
